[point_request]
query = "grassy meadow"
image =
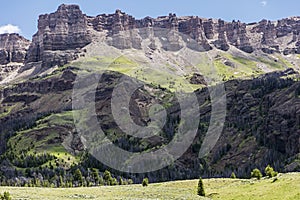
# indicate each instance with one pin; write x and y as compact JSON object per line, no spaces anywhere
{"x":286,"y":187}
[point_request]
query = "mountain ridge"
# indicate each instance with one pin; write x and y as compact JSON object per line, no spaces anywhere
{"x":260,"y":73}
{"x":59,"y":31}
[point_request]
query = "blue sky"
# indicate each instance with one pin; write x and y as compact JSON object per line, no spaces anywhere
{"x":23,"y":15}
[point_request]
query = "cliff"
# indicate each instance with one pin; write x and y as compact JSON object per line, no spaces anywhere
{"x":13,"y":48}
{"x":262,"y":111}
{"x":62,"y":34}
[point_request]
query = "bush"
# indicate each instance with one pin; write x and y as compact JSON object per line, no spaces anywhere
{"x":233,"y":175}
{"x":145,"y":182}
{"x":5,"y":196}
{"x":275,"y":179}
{"x":256,"y":174}
{"x":95,"y":175}
{"x":200,"y":189}
{"x":78,"y":177}
{"x":107,"y":177}
{"x":269,"y":171}
{"x":114,"y":181}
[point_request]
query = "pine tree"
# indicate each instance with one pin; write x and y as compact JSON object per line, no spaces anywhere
{"x":200,"y":190}
{"x":233,"y":175}
{"x":78,"y":177}
{"x":130,"y":181}
{"x":5,"y":196}
{"x":269,"y":171}
{"x":107,"y":177}
{"x":101,"y":181}
{"x":145,"y":182}
{"x":61,"y":181}
{"x":121,"y":182}
{"x":256,"y":174}
{"x":95,"y":175}
{"x":114,"y":181}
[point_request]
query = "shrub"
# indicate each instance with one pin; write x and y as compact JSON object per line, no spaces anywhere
{"x":269,"y":171}
{"x":101,"y":180}
{"x":114,"y":181}
{"x":256,"y":174}
{"x":122,"y":182}
{"x":200,"y":189}
{"x":95,"y":175}
{"x":145,"y":182}
{"x":107,"y":177}
{"x":5,"y":196}
{"x":275,"y":179}
{"x":233,"y":175}
{"x":78,"y":177}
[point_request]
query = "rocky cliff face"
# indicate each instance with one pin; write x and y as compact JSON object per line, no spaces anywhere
{"x":270,"y":37}
{"x":60,"y":36}
{"x":13,"y":48}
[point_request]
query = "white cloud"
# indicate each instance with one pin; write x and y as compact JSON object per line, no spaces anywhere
{"x":9,"y":29}
{"x":264,"y":3}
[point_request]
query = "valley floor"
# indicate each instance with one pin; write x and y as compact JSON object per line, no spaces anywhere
{"x":286,"y":187}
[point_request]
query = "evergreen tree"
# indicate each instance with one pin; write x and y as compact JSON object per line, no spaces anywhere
{"x":61,"y":182}
{"x":114,"y":181}
{"x":78,"y":177}
{"x":5,"y":196}
{"x":121,"y":182}
{"x":107,"y":177}
{"x":200,"y":189}
{"x":38,"y":183}
{"x":269,"y":171}
{"x":101,"y":181}
{"x":233,"y":175}
{"x":145,"y":182}
{"x":256,"y":174}
{"x":95,"y":175}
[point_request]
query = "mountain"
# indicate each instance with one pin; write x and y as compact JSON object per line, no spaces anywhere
{"x":62,"y":35}
{"x":12,"y":53}
{"x":257,"y":64}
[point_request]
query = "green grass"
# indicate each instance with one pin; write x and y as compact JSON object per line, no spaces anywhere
{"x":48,"y":130}
{"x":63,"y":118}
{"x":227,"y":72}
{"x":247,"y":67}
{"x":271,"y":63}
{"x":166,"y":76}
{"x":285,"y":62}
{"x":5,"y":110}
{"x":170,"y":190}
{"x":176,"y":79}
{"x":243,"y":67}
{"x":287,"y":187}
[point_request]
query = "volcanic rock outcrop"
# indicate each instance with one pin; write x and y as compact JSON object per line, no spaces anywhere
{"x":281,"y":36}
{"x":60,"y":36}
{"x":13,"y":48}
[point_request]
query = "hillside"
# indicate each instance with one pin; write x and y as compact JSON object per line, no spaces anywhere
{"x":58,"y":109}
{"x":237,"y":49}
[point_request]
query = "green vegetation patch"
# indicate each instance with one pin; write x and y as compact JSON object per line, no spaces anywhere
{"x":44,"y":138}
{"x":286,"y":187}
